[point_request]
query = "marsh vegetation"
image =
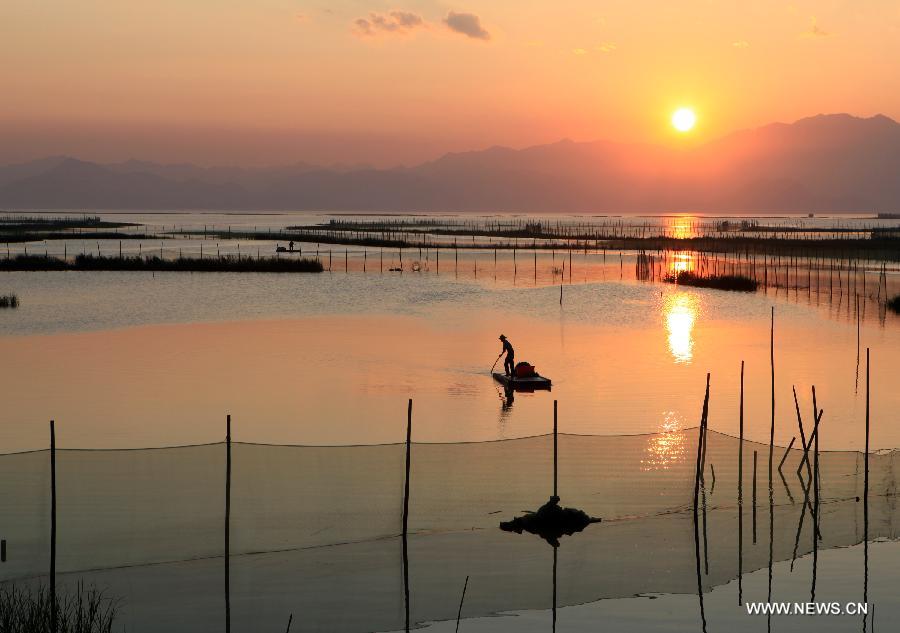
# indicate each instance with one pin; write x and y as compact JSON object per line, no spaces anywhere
{"x":227,"y":263}
{"x":29,"y":610}
{"x":719,"y":282}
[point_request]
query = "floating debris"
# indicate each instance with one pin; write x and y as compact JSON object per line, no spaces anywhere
{"x":550,"y":522}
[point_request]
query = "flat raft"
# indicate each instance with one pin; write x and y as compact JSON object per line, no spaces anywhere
{"x":523,"y":384}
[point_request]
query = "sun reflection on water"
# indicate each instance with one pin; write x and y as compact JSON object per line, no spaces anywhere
{"x":682,"y":227}
{"x":680,"y":311}
{"x":667,"y":446}
{"x":681,"y":262}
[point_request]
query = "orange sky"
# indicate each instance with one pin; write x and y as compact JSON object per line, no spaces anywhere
{"x":273,"y":81}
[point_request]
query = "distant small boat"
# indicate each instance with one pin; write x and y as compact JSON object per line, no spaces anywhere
{"x":530,"y":383}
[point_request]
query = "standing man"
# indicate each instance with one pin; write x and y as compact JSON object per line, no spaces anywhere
{"x":509,"y":363}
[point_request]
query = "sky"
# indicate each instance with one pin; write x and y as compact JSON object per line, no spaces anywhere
{"x":266,"y":82}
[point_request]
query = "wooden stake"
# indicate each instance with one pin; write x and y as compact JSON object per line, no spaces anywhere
{"x":772,"y":365}
{"x":754,"y":495}
{"x":741,"y":494}
{"x":555,"y":449}
{"x":463,"y":597}
{"x":406,"y":511}
{"x":227,"y":524}
{"x":698,"y":474}
{"x":866,"y":498}
{"x":53,"y":608}
{"x":786,"y":453}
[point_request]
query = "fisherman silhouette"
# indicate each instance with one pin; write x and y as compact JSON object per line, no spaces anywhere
{"x":509,"y":363}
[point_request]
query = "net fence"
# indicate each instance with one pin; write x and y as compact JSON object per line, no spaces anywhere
{"x":315,"y":530}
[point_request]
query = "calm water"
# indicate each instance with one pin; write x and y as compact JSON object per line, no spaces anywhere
{"x":126,"y":360}
{"x":134,"y":360}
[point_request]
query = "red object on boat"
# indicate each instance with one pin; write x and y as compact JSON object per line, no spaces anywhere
{"x":525,"y":370}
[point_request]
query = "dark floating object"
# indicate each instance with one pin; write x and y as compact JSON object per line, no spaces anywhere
{"x":894,"y":304}
{"x":528,"y":383}
{"x":550,"y":522}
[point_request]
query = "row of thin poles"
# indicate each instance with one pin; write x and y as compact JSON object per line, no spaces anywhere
{"x":699,"y":488}
{"x":227,"y":524}
{"x":811,"y":484}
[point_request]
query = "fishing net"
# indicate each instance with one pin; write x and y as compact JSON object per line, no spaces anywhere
{"x":314,"y":531}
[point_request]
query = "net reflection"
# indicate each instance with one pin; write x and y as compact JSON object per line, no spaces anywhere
{"x":680,"y":311}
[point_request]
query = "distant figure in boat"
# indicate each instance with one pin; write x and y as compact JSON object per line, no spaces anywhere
{"x":291,"y":246}
{"x":509,"y":363}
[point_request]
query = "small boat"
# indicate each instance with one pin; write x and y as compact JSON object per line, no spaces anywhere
{"x":530,"y":383}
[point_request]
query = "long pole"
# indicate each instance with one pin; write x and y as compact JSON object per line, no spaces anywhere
{"x":866,"y":500}
{"x":406,"y":511}
{"x":228,"y":524}
{"x":754,"y":496}
{"x":555,"y":450}
{"x":53,"y":614}
{"x":462,"y":598}
{"x":698,"y":474}
{"x":772,"y":365}
{"x":815,"y":505}
{"x":741,"y":493}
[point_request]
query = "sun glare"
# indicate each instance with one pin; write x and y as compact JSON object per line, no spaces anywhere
{"x":683,"y":119}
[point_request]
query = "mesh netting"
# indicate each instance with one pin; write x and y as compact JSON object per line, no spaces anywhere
{"x":314,"y":530}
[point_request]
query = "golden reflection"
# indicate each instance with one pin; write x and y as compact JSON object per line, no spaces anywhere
{"x":667,"y":446}
{"x":682,"y":227}
{"x":681,"y":262}
{"x":680,"y":311}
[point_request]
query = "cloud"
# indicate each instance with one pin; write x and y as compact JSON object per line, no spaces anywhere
{"x":396,"y":22}
{"x":603,"y":47}
{"x":741,"y":44}
{"x":815,"y":30}
{"x":468,"y":24}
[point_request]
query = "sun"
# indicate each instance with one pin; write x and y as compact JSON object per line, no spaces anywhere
{"x":683,"y":119}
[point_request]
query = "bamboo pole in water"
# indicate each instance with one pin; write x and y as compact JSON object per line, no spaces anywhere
{"x":555,"y":449}
{"x":741,"y":493}
{"x":406,"y":511}
{"x":866,"y":500}
{"x":698,"y":474}
{"x":772,"y":366}
{"x":816,"y":533}
{"x":461,"y":599}
{"x":53,"y":609}
{"x":787,"y":452}
{"x":227,"y":524}
{"x":754,"y":495}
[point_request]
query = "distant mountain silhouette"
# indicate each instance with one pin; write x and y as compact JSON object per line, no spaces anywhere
{"x":823,"y":163}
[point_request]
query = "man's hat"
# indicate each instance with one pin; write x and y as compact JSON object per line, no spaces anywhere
{"x":503,"y":337}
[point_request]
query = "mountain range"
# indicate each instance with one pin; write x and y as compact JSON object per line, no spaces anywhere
{"x":825,"y":163}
